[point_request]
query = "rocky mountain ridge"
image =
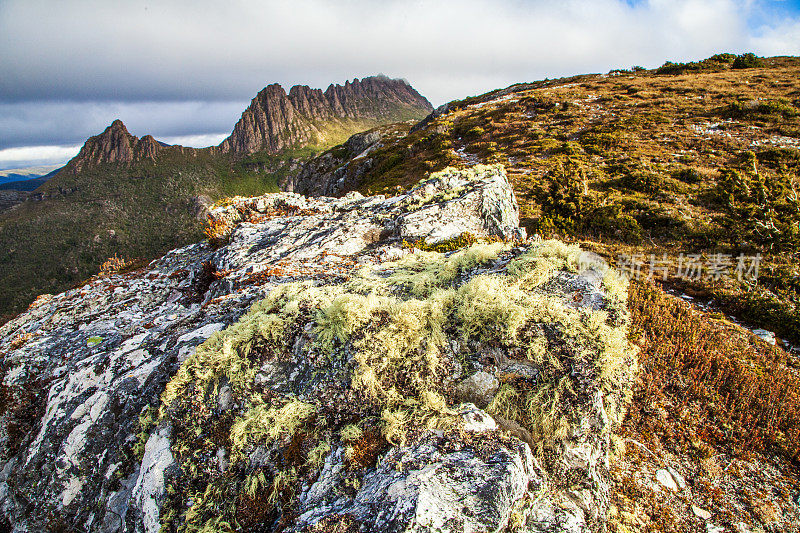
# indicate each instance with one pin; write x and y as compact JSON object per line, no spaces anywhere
{"x":114,"y":145}
{"x":276,"y":120}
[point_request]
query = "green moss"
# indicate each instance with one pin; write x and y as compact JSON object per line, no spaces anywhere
{"x":147,"y":421}
{"x":449,"y":245}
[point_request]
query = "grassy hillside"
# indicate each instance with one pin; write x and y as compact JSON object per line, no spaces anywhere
{"x":136,"y":212}
{"x":700,"y":158}
{"x":688,"y":164}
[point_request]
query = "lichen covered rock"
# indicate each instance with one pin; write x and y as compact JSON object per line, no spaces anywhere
{"x":310,"y":372}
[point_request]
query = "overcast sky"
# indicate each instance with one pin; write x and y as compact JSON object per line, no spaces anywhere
{"x":184,"y":71}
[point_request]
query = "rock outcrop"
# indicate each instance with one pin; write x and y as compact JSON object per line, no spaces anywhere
{"x":114,"y":145}
{"x":276,"y":120}
{"x":339,"y":170}
{"x":307,"y":376}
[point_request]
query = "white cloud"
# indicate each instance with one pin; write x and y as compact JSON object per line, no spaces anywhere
{"x":28,"y":156}
{"x":72,"y":122}
{"x":228,"y":50}
{"x":196,"y":141}
{"x":783,"y":39}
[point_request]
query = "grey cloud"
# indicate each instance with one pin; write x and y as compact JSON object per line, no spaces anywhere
{"x":42,"y":123}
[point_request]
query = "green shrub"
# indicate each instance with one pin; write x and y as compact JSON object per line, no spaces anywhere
{"x":644,"y":181}
{"x":687,"y":175}
{"x":723,"y":58}
{"x":757,"y":108}
{"x":779,"y":158}
{"x":748,"y":60}
{"x":475,"y":132}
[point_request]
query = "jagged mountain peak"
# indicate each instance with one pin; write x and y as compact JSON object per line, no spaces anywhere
{"x":114,"y":145}
{"x":276,"y":120}
{"x":117,"y":124}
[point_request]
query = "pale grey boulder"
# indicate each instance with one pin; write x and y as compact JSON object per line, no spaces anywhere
{"x":435,"y":484}
{"x":82,"y":366}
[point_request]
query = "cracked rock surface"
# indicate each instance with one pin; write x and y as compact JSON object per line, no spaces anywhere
{"x":85,"y":448}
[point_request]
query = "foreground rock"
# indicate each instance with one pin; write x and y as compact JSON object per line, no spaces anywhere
{"x":164,"y":397}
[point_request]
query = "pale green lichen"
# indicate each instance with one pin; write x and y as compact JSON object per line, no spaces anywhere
{"x":396,"y":321}
{"x":263,"y":424}
{"x":424,"y":194}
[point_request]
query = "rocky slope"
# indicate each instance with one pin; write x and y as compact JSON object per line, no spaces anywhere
{"x":276,"y":120}
{"x":264,"y":385}
{"x":338,"y":171}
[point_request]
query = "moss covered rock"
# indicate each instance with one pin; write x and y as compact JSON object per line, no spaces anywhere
{"x":305,"y":375}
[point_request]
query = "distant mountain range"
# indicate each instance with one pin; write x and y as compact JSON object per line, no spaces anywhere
{"x":26,"y":179}
{"x":138,"y":197}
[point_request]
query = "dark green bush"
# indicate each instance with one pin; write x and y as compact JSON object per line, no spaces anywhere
{"x":687,"y":175}
{"x":644,"y":181}
{"x":748,"y":60}
{"x":723,"y":58}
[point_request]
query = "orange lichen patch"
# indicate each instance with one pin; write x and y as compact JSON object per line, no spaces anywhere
{"x":42,"y":298}
{"x":218,"y":300}
{"x":325,"y":265}
{"x":364,"y":452}
{"x":20,"y":340}
{"x":219,"y":274}
{"x":179,"y":274}
{"x":282,"y":269}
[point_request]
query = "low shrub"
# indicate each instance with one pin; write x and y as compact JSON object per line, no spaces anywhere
{"x":687,"y":175}
{"x":112,"y":265}
{"x":218,"y":232}
{"x":645,"y":181}
{"x":748,"y":60}
{"x":738,"y":386}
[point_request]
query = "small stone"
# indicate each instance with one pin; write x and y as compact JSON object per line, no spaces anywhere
{"x":476,"y":420}
{"x":678,"y":478}
{"x":713,"y":528}
{"x":222,"y":459}
{"x":701,"y":513}
{"x":768,"y":336}
{"x":225,"y":400}
{"x":479,"y":388}
{"x":666,"y":479}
